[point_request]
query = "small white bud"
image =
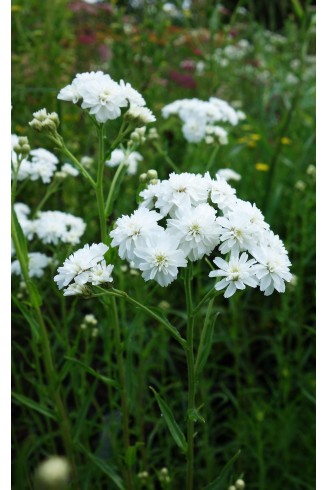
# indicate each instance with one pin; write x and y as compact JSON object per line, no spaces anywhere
{"x":240,"y":484}
{"x":152,"y":174}
{"x":53,"y":474}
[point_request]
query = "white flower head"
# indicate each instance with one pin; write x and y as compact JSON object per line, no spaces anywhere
{"x":222,"y":194}
{"x":227,"y":174}
{"x":158,"y":257}
{"x":197,"y":229}
{"x":56,"y":226}
{"x":236,"y":274}
{"x":272,"y":269}
{"x":131,"y":229}
{"x":131,"y":159}
{"x":142,"y":115}
{"x":37,"y":262}
{"x":77,"y":266}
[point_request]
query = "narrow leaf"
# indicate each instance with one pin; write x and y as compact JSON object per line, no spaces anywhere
{"x":34,"y":405}
{"x":88,"y":369}
{"x":220,"y":483}
{"x":104,"y":467}
{"x":173,"y":427}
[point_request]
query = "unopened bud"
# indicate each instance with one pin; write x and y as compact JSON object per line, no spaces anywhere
{"x":232,"y":487}
{"x":54,"y":117}
{"x":153,"y":181}
{"x":53,"y":474}
{"x":49,"y":124}
{"x":240,"y":484}
{"x":143,"y":178}
{"x":152,"y":174}
{"x":25,"y":149}
{"x":35,"y":124}
{"x":23,"y":140}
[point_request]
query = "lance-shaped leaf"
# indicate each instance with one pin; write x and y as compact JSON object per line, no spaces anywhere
{"x":220,"y":483}
{"x":173,"y":427}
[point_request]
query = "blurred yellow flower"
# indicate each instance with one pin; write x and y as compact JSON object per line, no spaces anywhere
{"x":285,"y":141}
{"x":262,"y":167}
{"x":16,"y":8}
{"x":251,"y":144}
{"x":255,"y":137}
{"x":246,"y":127}
{"x":242,"y":140}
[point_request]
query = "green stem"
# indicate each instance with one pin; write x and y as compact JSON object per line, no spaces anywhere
{"x":52,"y":188}
{"x":212,"y":157}
{"x":124,"y":404}
{"x":99,"y":184}
{"x":62,"y":148}
{"x":191,"y":379}
{"x":166,"y":157}
{"x":51,"y":374}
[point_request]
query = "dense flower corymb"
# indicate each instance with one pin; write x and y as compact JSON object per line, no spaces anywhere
{"x":86,"y":265}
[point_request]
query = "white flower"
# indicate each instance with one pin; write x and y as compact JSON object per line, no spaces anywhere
{"x":222,"y":194}
{"x":68,"y":169}
{"x":131,"y":229}
{"x":131,"y":94}
{"x":237,"y":273}
{"x":131,"y":160}
{"x":272,"y":269}
{"x":194,"y":129}
{"x":227,"y":174}
{"x":103,"y":97}
{"x":43,"y":165}
{"x":37,"y":262}
{"x":197,"y":230}
{"x":28,"y":226}
{"x":77,"y":266}
{"x":142,"y":115}
{"x":55,"y":226}
{"x":158,"y":257}
{"x":180,"y":191}
{"x":101,"y":273}
{"x":236,"y":233}
{"x":76,"y":289}
{"x":72,"y":92}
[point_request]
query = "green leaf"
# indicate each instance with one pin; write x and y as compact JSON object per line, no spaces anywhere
{"x":206,"y":340}
{"x":34,"y":405}
{"x":88,"y":369}
{"x":220,"y":483}
{"x":104,"y":467}
{"x":28,"y":317}
{"x":131,"y":453}
{"x":173,"y":427}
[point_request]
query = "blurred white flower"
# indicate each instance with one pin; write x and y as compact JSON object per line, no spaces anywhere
{"x":131,"y":160}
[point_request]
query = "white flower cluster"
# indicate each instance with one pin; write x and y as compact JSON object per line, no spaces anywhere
{"x":200,"y":214}
{"x":200,"y":118}
{"x":37,"y":262}
{"x":41,"y":165}
{"x":104,"y":98}
{"x":86,"y":265}
{"x":232,"y":52}
{"x":50,"y":226}
{"x":131,"y":160}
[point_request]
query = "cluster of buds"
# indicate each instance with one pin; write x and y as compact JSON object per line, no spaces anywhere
{"x":151,"y":177}
{"x":22,"y":148}
{"x":143,"y":476}
{"x":153,"y":134}
{"x":137,"y":137}
{"x":42,"y":121}
{"x":90,"y":320}
{"x":163,"y":477}
{"x":239,"y":485}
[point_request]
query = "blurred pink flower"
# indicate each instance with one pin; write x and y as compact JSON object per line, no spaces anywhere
{"x":182,"y":79}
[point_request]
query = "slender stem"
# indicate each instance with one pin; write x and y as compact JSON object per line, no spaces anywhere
{"x":166,"y":157}
{"x":99,"y":184}
{"x":51,"y":374}
{"x":212,"y":157}
{"x":65,"y":151}
{"x":52,"y":188}
{"x":124,"y":404}
{"x":191,"y":379}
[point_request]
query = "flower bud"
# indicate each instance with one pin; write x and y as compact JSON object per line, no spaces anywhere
{"x":143,"y":177}
{"x":240,"y":484}
{"x":152,"y":174}
{"x":52,"y":474}
{"x":153,"y":181}
{"x":54,"y":117}
{"x":35,"y":124}
{"x":232,"y":487}
{"x":22,"y":140}
{"x":25,"y":149}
